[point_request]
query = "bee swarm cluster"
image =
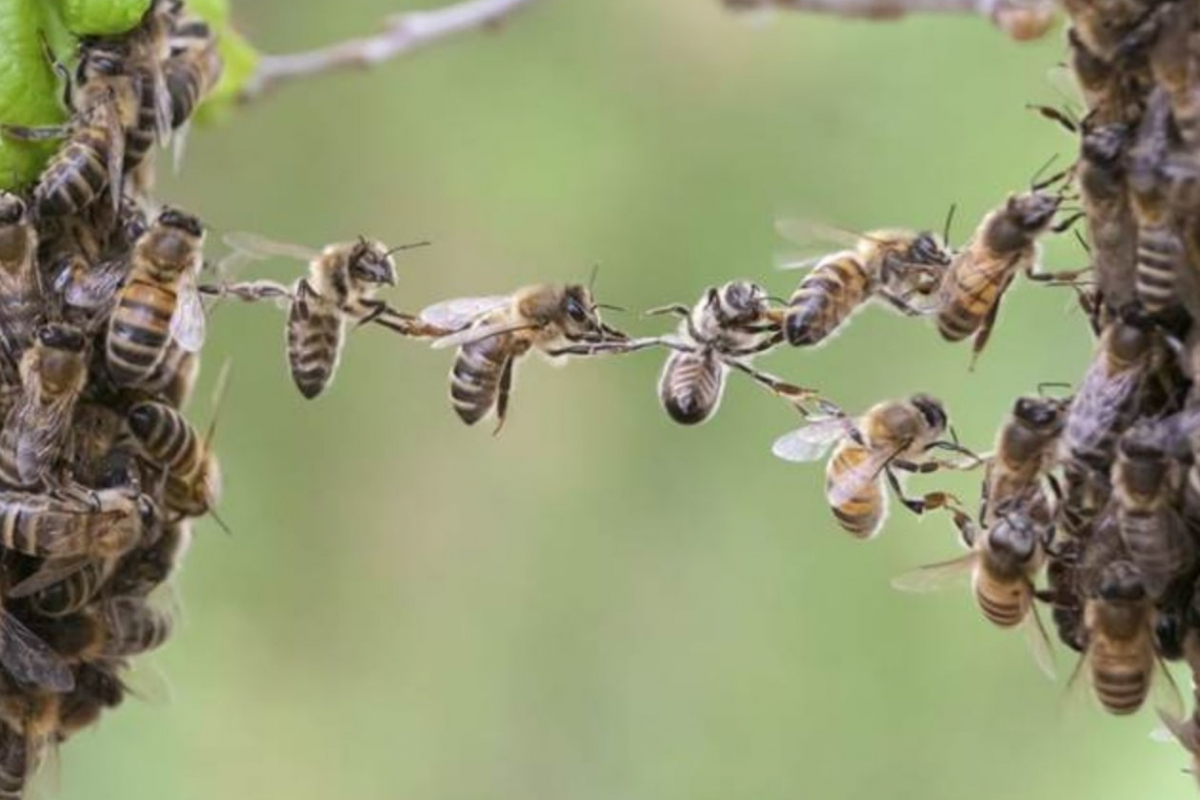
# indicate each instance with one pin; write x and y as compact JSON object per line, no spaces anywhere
{"x":100,"y":473}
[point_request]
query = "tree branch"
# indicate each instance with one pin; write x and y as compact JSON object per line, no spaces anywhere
{"x":1020,"y":19}
{"x":404,"y":34}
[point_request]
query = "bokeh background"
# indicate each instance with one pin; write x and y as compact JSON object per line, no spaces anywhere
{"x":599,"y":604}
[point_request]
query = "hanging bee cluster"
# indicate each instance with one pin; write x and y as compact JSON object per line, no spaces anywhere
{"x":100,"y":332}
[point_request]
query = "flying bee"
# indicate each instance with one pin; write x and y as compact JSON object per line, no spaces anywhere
{"x":103,"y":100}
{"x":1025,"y":450}
{"x":1005,"y":243}
{"x":1101,"y":408}
{"x":902,"y":268}
{"x":111,"y":628}
{"x":1160,"y":250}
{"x":1003,"y":563}
{"x":1146,"y":480}
{"x":20,"y":288}
{"x":53,"y":375}
{"x":340,"y":287}
{"x":158,"y":303}
{"x":1119,"y":656}
{"x":493,"y":333}
{"x":892,"y":435}
{"x":145,"y":568}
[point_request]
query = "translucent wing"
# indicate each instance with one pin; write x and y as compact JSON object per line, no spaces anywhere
{"x":162,"y":102}
{"x":91,"y":288}
{"x":1164,"y":692}
{"x":811,"y":442}
{"x":253,"y":246}
{"x":52,"y":571}
{"x":453,"y":315}
{"x":1038,"y":641}
{"x":935,"y":577}
{"x":30,"y":660}
{"x":853,"y":481}
{"x":807,"y":232}
{"x":187,"y":322}
{"x":478,"y":333}
{"x":179,"y":145}
{"x":116,"y":156}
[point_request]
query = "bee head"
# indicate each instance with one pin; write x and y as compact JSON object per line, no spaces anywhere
{"x":1104,"y":144}
{"x":181,"y":221}
{"x":1013,"y":534}
{"x":1039,"y":413}
{"x":57,"y":336}
{"x":932,"y":411}
{"x":104,"y":56}
{"x":739,"y":302}
{"x":1121,"y":581}
{"x":370,"y":262}
{"x":12,"y":209}
{"x":1129,"y":336}
{"x":927,"y":248}
{"x":1032,"y":212}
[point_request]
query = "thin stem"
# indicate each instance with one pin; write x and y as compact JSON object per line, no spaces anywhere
{"x":403,"y":34}
{"x":1020,"y":19}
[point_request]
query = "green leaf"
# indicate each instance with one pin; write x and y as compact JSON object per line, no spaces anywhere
{"x":29,"y":90}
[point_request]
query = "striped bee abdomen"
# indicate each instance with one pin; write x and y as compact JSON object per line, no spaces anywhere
{"x":314,"y":341}
{"x":166,"y":436}
{"x":1159,"y":255}
{"x":77,"y":175}
{"x":139,"y":331}
{"x":1004,"y":604}
{"x":1121,"y":683}
{"x":475,"y":377}
{"x":826,"y":298}
{"x":863,"y":514}
{"x":691,"y":386}
{"x":967,"y":294}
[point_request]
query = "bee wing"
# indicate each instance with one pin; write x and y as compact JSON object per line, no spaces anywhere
{"x":1038,"y":641}
{"x":938,"y":576}
{"x":37,"y":435}
{"x":807,"y":232}
{"x":1164,"y":692}
{"x":846,"y":486}
{"x":454,"y":315}
{"x":478,"y":333}
{"x":162,"y":102}
{"x":811,"y":442}
{"x":52,"y":571}
{"x":1176,"y":729}
{"x":116,"y":157}
{"x":94,"y":288}
{"x":29,"y":659}
{"x":187,"y":321}
{"x":255,"y":247}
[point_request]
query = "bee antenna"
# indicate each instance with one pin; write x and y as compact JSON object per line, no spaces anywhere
{"x":949,"y":220}
{"x":1044,"y":385}
{"x":610,"y":307}
{"x":410,"y":246}
{"x":212,"y":512}
{"x":218,"y":397}
{"x":1036,"y":185}
{"x":595,"y":274}
{"x":775,"y":299}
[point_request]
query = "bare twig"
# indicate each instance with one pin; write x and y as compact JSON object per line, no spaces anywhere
{"x":1020,"y":19}
{"x":403,"y":34}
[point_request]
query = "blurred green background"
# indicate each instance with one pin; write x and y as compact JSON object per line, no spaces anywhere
{"x":601,"y":604}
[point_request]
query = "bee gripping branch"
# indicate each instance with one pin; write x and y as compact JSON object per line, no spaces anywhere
{"x":403,"y":34}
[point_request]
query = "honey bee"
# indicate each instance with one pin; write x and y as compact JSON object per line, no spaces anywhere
{"x":192,"y":69}
{"x":1104,"y":25}
{"x":1120,"y":655}
{"x":149,"y":49}
{"x":1103,"y":404}
{"x":53,"y":375}
{"x":174,"y":379}
{"x":74,"y":591}
{"x":1160,"y":250}
{"x":158,"y":303}
{"x":193,"y":474}
{"x":20,"y":288}
{"x":1112,"y":230}
{"x":97,"y":688}
{"x":104,"y":523}
{"x":1005,"y":243}
{"x":1146,"y":480}
{"x":145,"y":568}
{"x":902,"y":268}
{"x":892,"y":435}
{"x":1003,"y":563}
{"x":341,"y":285}
{"x":1063,"y":594}
{"x":492,"y":333}
{"x":1173,"y":63}
{"x":1025,"y":451}
{"x":103,"y":98}
{"x":28,"y":731}
{"x":115,"y":627}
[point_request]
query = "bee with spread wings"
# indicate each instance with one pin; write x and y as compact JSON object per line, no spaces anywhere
{"x":340,"y":287}
{"x":493,"y":333}
{"x":1003,"y":562}
{"x":892,"y":435}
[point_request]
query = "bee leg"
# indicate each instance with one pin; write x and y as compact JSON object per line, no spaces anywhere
{"x":788,"y":391}
{"x":968,"y":531}
{"x":985,"y":330}
{"x":767,"y":344}
{"x":677,"y":309}
{"x":605,"y":348}
{"x":927,"y":502}
{"x":40,"y":133}
{"x":900,"y":304}
{"x":506,"y":376}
